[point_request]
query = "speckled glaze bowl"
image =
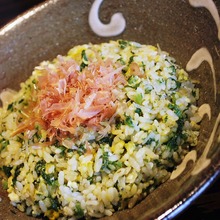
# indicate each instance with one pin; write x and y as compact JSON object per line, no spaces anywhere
{"x":178,"y":27}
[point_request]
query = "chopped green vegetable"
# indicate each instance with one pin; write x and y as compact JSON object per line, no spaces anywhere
{"x":123,"y":44}
{"x":49,"y":178}
{"x":40,"y":169}
{"x":134,"y":81}
{"x":165,"y":118}
{"x":143,"y":65}
{"x":81,"y":149}
{"x":4,"y":143}
{"x":109,"y":165}
{"x":10,"y":107}
{"x":121,"y":61}
{"x":105,"y":161}
{"x":148,"y":88}
{"x":194,"y":93}
{"x":36,"y":137}
{"x":160,"y":80}
{"x":180,"y":123}
{"x":150,"y":140}
{"x":138,"y":98}
{"x":79,"y":212}
{"x":117,"y":164}
{"x":7,"y":170}
{"x":17,"y":173}
{"x":84,"y":60}
{"x":90,"y":179}
{"x":34,"y":81}
{"x":84,"y":57}
{"x":138,"y":111}
{"x":118,"y":123}
{"x":131,"y":59}
{"x":54,"y":204}
{"x":105,"y":158}
{"x":173,"y":69}
{"x":107,"y":140}
{"x":62,"y":149}
{"x":158,"y":163}
{"x":20,"y":101}
{"x":178,"y":84}
{"x":174,"y":84}
{"x":172,"y":143}
{"x":128,"y":121}
{"x":176,"y":109}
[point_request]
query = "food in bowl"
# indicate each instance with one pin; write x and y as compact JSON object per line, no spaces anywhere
{"x":96,"y":131}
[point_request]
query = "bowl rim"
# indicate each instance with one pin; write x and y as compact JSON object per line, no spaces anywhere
{"x":194,"y":192}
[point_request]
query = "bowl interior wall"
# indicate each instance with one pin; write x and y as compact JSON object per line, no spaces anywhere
{"x":174,"y":25}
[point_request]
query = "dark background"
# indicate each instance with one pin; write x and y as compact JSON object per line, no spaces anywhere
{"x":207,"y":206}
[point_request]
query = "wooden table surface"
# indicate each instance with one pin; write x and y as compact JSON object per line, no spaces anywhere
{"x":207,"y":206}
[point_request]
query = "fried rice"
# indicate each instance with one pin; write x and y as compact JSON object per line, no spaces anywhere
{"x":96,"y":131}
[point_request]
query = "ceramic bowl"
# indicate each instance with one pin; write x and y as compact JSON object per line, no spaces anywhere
{"x":188,"y":30}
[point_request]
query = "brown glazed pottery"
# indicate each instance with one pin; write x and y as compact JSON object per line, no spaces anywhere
{"x":179,"y":28}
